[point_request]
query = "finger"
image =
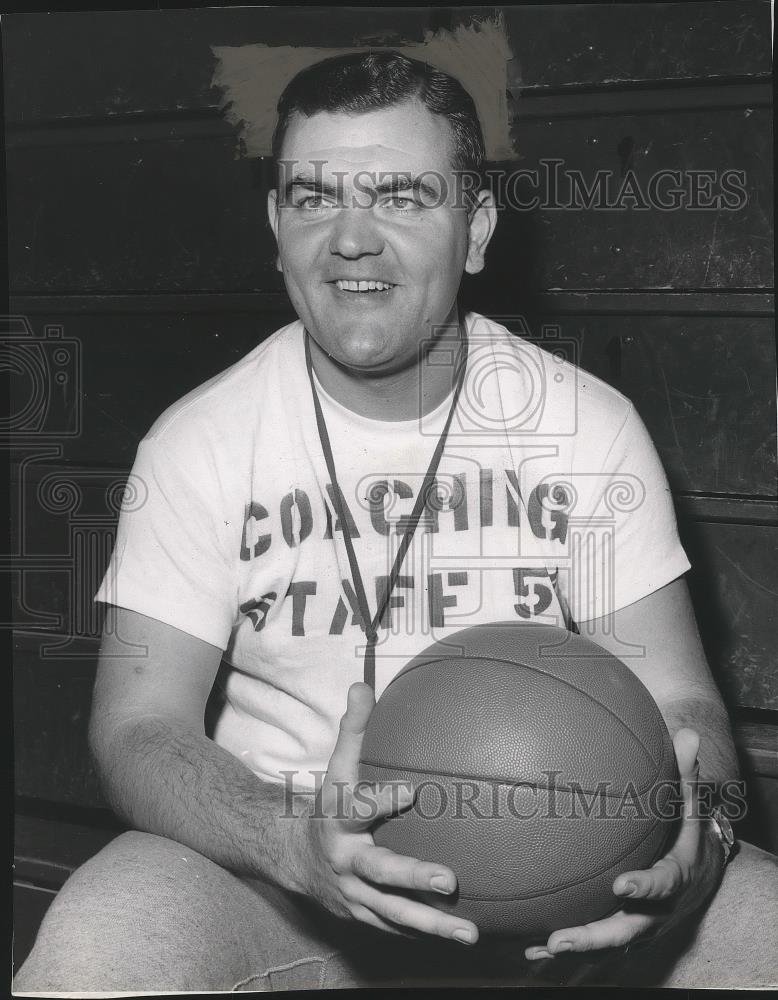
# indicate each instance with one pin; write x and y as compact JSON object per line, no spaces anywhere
{"x":671,"y":872}
{"x":381,"y":866}
{"x":369,"y":802}
{"x":658,"y":882}
{"x":686,"y":744}
{"x":360,"y":912}
{"x":612,"y":932}
{"x":409,"y":913}
{"x":344,"y":762}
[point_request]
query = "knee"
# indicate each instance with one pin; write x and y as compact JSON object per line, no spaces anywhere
{"x":734,"y":944}
{"x":121,"y":921}
{"x":749,"y":888}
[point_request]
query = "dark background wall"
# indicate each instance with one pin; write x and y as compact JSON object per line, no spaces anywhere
{"x":141,"y":264}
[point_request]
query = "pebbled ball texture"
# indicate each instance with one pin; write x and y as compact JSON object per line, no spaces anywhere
{"x":543,"y":770}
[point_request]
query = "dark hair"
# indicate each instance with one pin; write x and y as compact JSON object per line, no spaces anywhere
{"x":368,"y":81}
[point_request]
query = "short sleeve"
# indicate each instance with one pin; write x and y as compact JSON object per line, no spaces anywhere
{"x":623,"y":538}
{"x":171,"y":561}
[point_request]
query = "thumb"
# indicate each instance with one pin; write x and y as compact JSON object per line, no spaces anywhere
{"x":371,"y":801}
{"x":687,"y":745}
{"x":344,"y":762}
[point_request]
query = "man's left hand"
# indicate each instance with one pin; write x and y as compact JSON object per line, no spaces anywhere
{"x":677,"y":885}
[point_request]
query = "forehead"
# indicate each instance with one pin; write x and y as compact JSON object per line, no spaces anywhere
{"x":404,"y":137}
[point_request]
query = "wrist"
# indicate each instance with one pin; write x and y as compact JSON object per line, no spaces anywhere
{"x":720,"y":831}
{"x":713,"y":856}
{"x":300,"y":851}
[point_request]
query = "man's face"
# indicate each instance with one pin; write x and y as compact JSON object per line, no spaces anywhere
{"x":350,"y":214}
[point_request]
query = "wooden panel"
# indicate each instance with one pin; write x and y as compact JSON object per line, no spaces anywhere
{"x":761,"y":826}
{"x":103,"y":63}
{"x":760,"y":745}
{"x":728,"y":509}
{"x":210,"y":303}
{"x":192,"y":218}
{"x":734,"y":584}
{"x":661,"y":301}
{"x":51,"y":713}
{"x":137,"y":215}
{"x":605,"y":248}
{"x":575,"y":45}
{"x":706,"y":391}
{"x":589,"y":104}
{"x":160,"y":61}
{"x":704,"y":385}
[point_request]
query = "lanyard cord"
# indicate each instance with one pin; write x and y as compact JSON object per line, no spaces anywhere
{"x":371,"y":624}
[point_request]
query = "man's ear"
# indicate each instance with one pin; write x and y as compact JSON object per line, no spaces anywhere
{"x":272,"y":215}
{"x":483,"y":219}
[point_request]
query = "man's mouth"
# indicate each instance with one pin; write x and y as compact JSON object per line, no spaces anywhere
{"x":370,"y":285}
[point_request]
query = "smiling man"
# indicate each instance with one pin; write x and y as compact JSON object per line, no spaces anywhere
{"x":379,"y":473}
{"x":369,"y":200}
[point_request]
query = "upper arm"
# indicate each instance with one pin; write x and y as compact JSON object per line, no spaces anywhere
{"x":149,"y":668}
{"x":669,"y":658}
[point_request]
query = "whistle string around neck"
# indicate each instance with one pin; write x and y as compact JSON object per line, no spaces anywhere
{"x":371,"y":623}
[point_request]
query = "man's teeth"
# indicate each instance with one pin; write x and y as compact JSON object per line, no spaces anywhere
{"x":363,"y":286}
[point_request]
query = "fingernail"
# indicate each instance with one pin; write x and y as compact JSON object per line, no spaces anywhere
{"x":539,"y":953}
{"x":463,"y":936}
{"x":628,"y":889}
{"x":441,"y":883}
{"x":563,"y":946}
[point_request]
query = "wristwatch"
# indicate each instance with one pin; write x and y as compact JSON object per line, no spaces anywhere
{"x":723,"y":830}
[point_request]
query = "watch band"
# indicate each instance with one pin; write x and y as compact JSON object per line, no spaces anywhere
{"x":724,"y":832}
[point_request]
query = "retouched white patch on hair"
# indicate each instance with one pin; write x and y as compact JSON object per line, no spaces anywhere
{"x":252,"y":78}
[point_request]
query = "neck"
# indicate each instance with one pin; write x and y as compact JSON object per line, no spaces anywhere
{"x":405,"y":394}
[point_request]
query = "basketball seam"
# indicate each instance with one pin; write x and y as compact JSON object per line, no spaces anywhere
{"x":538,"y":786}
{"x":508,"y":663}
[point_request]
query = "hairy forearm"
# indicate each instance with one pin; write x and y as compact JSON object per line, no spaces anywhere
{"x":166,"y":779}
{"x":708,"y":717}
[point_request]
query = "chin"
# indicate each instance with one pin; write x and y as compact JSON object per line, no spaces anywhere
{"x":359,"y":352}
{"x":363,"y":360}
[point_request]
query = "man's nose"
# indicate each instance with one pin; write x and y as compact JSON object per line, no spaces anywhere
{"x":355,"y":233}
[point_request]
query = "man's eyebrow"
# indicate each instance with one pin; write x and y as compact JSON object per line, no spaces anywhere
{"x":397,"y":182}
{"x":391,"y":183}
{"x":310,"y":183}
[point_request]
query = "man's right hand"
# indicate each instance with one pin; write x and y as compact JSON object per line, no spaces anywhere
{"x":347,"y":873}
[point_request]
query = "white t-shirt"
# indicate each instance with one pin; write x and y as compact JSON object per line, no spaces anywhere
{"x":551,"y":505}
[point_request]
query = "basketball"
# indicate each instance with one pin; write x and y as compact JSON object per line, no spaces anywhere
{"x":543,"y":770}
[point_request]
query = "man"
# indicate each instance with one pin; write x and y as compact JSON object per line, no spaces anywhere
{"x":273,"y":501}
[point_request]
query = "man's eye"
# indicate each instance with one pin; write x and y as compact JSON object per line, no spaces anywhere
{"x":313,"y":202}
{"x":402,"y":202}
